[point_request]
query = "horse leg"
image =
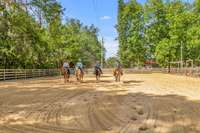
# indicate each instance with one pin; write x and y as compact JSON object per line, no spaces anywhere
{"x":67,"y":78}
{"x":82,"y":77}
{"x":77,"y":76}
{"x":118,"y":78}
{"x":64,"y":78}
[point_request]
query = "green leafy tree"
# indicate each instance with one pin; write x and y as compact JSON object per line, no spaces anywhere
{"x":34,"y":36}
{"x":130,"y":29}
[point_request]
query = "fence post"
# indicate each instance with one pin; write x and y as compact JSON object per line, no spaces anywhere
{"x":15,"y":72}
{"x":48,"y":72}
{"x":31,"y":75}
{"x":60,"y":71}
{"x":25,"y":73}
{"x":4,"y":74}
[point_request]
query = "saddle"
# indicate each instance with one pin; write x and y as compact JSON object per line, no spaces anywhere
{"x":97,"y":69}
{"x":119,"y":70}
{"x":66,"y":69}
{"x":81,"y":70}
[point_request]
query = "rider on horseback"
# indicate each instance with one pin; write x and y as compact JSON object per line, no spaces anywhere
{"x":119,"y":66}
{"x":66,"y":67}
{"x":79,"y":65}
{"x":98,"y":67}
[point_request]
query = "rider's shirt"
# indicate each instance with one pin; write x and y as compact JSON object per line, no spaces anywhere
{"x":97,"y":65}
{"x":65,"y":65}
{"x":79,"y":65}
{"x":118,"y":65}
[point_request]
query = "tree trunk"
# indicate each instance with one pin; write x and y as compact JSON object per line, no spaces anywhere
{"x":169,"y":65}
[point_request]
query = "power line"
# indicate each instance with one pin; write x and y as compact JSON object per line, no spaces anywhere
{"x":95,"y":7}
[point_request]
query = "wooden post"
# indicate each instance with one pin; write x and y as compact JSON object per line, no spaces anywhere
{"x":15,"y":72}
{"x":25,"y":73}
{"x":32,"y":73}
{"x":39,"y":71}
{"x":4,"y":74}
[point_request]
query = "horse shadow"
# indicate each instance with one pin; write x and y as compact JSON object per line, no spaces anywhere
{"x":132,"y":81}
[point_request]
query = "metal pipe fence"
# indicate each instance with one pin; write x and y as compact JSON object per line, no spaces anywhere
{"x":194,"y":72}
{"x":11,"y":74}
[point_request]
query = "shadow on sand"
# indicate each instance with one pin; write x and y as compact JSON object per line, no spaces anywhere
{"x":57,"y":108}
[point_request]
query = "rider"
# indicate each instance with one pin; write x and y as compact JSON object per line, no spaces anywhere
{"x":98,"y":67}
{"x":119,"y":66}
{"x":79,"y":65}
{"x":66,"y":66}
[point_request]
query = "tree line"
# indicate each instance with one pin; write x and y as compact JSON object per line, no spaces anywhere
{"x":33,"y":34}
{"x":159,"y":30}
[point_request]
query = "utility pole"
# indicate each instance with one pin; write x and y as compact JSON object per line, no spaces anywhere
{"x":181,"y":55}
{"x":102,"y":53}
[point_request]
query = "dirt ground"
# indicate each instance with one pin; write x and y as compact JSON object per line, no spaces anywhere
{"x":140,"y":103}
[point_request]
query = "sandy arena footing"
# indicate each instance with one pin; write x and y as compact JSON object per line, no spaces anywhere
{"x":140,"y":103}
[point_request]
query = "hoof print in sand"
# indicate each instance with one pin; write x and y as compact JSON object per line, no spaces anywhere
{"x":85,"y":100}
{"x":133,"y":118}
{"x":140,"y":111}
{"x":108,"y":128}
{"x":143,"y":128}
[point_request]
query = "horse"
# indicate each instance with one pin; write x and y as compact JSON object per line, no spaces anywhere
{"x":97,"y":73}
{"x":117,"y":74}
{"x":66,"y":74}
{"x":79,"y":74}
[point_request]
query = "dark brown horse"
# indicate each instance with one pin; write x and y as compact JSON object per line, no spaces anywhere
{"x":98,"y":74}
{"x":117,"y":74}
{"x":66,"y":74}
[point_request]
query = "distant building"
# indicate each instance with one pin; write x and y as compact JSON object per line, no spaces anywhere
{"x":150,"y":63}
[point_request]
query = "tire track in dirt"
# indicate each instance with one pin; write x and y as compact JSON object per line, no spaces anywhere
{"x":104,"y":108}
{"x":110,"y":111}
{"x":49,"y":111}
{"x":181,"y":113}
{"x":94,"y":120}
{"x":51,"y":102}
{"x":148,"y":124}
{"x":168,"y":118}
{"x":194,"y":112}
{"x":45,"y":129}
{"x":143,"y":117}
{"x":53,"y":107}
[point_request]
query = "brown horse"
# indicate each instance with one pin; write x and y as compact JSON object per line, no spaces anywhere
{"x":98,"y":74}
{"x":117,"y":74}
{"x":66,"y":74}
{"x":79,"y":75}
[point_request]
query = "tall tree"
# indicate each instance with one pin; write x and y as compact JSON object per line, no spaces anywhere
{"x":27,"y":42}
{"x":130,"y":31}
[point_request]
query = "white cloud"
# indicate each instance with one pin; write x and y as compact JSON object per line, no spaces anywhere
{"x":105,"y":18}
{"x":111,"y":46}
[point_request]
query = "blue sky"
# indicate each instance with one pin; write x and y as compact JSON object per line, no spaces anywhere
{"x":101,"y":13}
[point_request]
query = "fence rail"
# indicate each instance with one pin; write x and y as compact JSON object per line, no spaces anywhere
{"x":9,"y":74}
{"x":194,"y":72}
